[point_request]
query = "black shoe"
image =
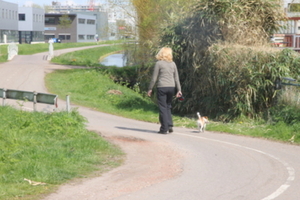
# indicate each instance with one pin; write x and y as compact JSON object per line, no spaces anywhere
{"x":161,"y":132}
{"x":170,"y":130}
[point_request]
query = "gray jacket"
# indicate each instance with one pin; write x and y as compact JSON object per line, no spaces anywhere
{"x":166,"y":75}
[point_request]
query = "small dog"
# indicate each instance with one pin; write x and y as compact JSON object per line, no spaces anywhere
{"x":201,"y":122}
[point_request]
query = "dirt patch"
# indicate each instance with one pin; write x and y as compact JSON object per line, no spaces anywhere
{"x":117,"y":92}
{"x":127,"y":139}
{"x":147,"y":163}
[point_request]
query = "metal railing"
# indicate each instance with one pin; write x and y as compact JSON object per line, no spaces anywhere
{"x":34,"y":97}
{"x":279,"y":82}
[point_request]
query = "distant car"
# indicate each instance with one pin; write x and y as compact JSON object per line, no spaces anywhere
{"x":56,"y":40}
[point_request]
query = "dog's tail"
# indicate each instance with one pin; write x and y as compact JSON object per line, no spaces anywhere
{"x":198,"y":115}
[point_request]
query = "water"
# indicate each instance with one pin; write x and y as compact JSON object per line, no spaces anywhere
{"x":114,"y":60}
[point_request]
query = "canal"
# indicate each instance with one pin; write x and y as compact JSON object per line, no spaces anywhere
{"x":117,"y":60}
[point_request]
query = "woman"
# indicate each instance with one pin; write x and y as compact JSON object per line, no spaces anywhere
{"x":166,"y":74}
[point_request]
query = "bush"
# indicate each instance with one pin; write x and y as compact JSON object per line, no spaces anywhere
{"x":226,"y":65}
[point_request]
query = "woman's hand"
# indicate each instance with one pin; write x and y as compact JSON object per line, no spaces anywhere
{"x":149,"y":93}
{"x":179,"y":94}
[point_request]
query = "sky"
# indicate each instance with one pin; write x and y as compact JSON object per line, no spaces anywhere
{"x":78,"y":2}
{"x":49,"y":2}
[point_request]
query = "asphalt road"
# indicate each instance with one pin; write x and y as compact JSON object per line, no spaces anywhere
{"x":184,"y":165}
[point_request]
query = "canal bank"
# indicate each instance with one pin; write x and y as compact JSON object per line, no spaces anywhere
{"x":117,"y":59}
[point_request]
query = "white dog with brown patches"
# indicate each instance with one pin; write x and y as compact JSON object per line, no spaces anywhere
{"x":201,"y":122}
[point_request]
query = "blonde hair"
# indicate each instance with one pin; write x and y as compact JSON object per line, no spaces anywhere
{"x":165,"y":53}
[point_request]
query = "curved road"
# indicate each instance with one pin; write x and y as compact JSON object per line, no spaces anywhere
{"x":178,"y":166}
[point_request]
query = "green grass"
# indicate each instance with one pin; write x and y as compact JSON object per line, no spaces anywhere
{"x":50,"y":148}
{"x":88,"y":57}
{"x":278,"y":131}
{"x":90,"y":88}
{"x":95,"y":90}
{"x":28,"y":49}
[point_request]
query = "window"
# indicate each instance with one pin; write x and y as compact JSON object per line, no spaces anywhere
{"x":21,"y":17}
{"x":47,"y":37}
{"x":81,"y":21}
{"x":49,"y":20}
{"x":90,"y":37}
{"x":81,"y":37}
{"x":64,"y":37}
{"x":90,"y":21}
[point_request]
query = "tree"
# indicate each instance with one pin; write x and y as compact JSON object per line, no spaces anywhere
{"x":47,"y":8}
{"x":65,"y":21}
{"x":151,"y":15}
{"x":36,"y":6}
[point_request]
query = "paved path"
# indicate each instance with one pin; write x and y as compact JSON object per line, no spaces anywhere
{"x":178,"y":166}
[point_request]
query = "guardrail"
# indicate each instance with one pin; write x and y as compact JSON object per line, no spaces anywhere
{"x":34,"y":97}
{"x":279,"y":82}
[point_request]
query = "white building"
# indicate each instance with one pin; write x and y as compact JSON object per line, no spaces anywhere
{"x":31,"y":24}
{"x":113,"y":21}
{"x":81,"y":28}
{"x":95,"y":11}
{"x":86,"y":27}
{"x":121,"y":20}
{"x":8,"y":22}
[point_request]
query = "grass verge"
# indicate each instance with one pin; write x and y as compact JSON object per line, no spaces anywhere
{"x":48,"y":148}
{"x":28,"y":49}
{"x":88,"y":57}
{"x":87,"y":87}
{"x":90,"y":88}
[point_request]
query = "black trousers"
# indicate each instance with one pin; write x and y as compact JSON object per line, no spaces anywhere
{"x":164,"y":98}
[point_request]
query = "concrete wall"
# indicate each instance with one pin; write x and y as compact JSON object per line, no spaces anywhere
{"x":77,"y":32}
{"x":8,"y":16}
{"x":87,"y":30}
{"x":57,"y":31}
{"x":101,"y":23}
{"x":8,"y":22}
{"x":34,"y":19}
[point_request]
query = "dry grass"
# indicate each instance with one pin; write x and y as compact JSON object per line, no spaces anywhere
{"x":290,"y":96}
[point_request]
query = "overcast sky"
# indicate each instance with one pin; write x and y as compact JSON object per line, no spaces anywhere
{"x":49,"y":2}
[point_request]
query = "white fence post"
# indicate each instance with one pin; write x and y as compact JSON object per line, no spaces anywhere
{"x":3,"y":96}
{"x":51,"y":52}
{"x":34,"y":101}
{"x":12,"y":50}
{"x":68,"y":103}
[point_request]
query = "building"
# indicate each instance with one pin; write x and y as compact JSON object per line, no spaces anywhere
{"x":8,"y":22}
{"x":80,"y":27}
{"x":112,"y":21}
{"x":289,"y":34}
{"x":121,"y":21}
{"x":97,"y":11}
{"x":31,"y":25}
